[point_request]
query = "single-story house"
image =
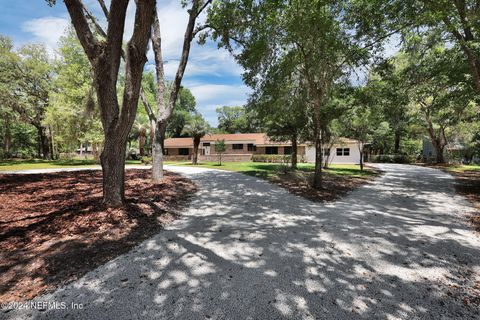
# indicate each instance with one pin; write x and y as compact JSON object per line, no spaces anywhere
{"x":342,"y":151}
{"x":242,"y":146}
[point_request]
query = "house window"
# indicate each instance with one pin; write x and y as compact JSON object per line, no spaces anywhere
{"x":237,"y":146}
{"x":251,"y":147}
{"x":271,"y":150}
{"x":326,"y":152}
{"x":343,"y":151}
{"x":287,"y":150}
{"x":206,"y":144}
{"x":183,"y":151}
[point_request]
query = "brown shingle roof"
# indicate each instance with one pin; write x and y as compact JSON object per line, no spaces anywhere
{"x":259,"y":139}
{"x":255,"y":138}
{"x":178,"y":143}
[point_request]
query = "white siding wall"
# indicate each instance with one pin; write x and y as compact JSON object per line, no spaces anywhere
{"x":353,"y":158}
{"x":310,"y":153}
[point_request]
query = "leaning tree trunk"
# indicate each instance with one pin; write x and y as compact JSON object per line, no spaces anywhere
{"x":165,"y":109}
{"x":112,"y":160}
{"x":294,"y":151}
{"x":196,"y":143}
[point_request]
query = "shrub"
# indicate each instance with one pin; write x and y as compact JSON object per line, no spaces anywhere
{"x":276,"y":158}
{"x":392,"y":158}
{"x":146,"y":160}
{"x":132,"y":154}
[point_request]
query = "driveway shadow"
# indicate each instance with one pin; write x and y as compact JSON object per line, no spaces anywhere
{"x":249,"y":250}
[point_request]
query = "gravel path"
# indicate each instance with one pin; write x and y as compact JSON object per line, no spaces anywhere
{"x":247,"y":249}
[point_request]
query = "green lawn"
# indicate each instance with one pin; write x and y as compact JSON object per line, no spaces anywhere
{"x":14,"y":165}
{"x":264,"y":170}
{"x":258,"y":169}
{"x":462,"y":168}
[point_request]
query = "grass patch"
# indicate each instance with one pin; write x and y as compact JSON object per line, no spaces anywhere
{"x":338,"y":179}
{"x":463,"y":168}
{"x":16,"y":165}
{"x":261,"y":169}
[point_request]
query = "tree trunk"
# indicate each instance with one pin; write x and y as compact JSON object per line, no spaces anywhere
{"x":157,"y":152}
{"x":52,"y":144}
{"x":360,"y":149}
{"x":439,"y":142}
{"x":43,"y":143}
{"x":113,"y":167}
{"x":141,"y":143}
{"x":7,"y":139}
{"x":152,"y":134}
{"x":104,"y":56}
{"x":196,"y":143}
{"x":294,"y":151}
{"x":317,"y":131}
{"x":165,"y":110}
{"x":317,"y":179}
{"x":397,"y":142}
{"x":439,"y":158}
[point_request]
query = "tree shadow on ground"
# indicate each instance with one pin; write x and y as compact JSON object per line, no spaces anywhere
{"x":247,"y":250}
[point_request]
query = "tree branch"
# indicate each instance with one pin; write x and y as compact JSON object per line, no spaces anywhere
{"x":100,"y":30}
{"x":187,"y":40}
{"x":104,"y":8}
{"x":203,"y":7}
{"x":159,"y":72}
{"x":135,"y":59}
{"x":85,"y":35}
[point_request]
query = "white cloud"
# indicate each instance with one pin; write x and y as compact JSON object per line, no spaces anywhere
{"x":208,"y":67}
{"x":207,"y":92}
{"x":47,"y":30}
{"x":211,"y":96}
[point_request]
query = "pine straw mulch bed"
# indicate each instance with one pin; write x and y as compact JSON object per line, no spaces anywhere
{"x":467,"y":183}
{"x":334,"y":186}
{"x":54,"y":229}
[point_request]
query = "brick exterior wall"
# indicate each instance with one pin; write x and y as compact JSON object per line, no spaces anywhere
{"x":176,"y":152}
{"x":229,"y":155}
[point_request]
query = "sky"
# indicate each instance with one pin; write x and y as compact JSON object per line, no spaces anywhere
{"x":212,"y":74}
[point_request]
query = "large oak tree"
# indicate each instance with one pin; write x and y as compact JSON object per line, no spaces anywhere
{"x":104,"y":55}
{"x":311,"y":38}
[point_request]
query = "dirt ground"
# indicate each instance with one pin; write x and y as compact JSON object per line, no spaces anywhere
{"x":334,"y":186}
{"x":54,"y":229}
{"x":468,"y":185}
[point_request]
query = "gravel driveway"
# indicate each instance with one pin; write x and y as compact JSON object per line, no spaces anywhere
{"x":247,"y":249}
